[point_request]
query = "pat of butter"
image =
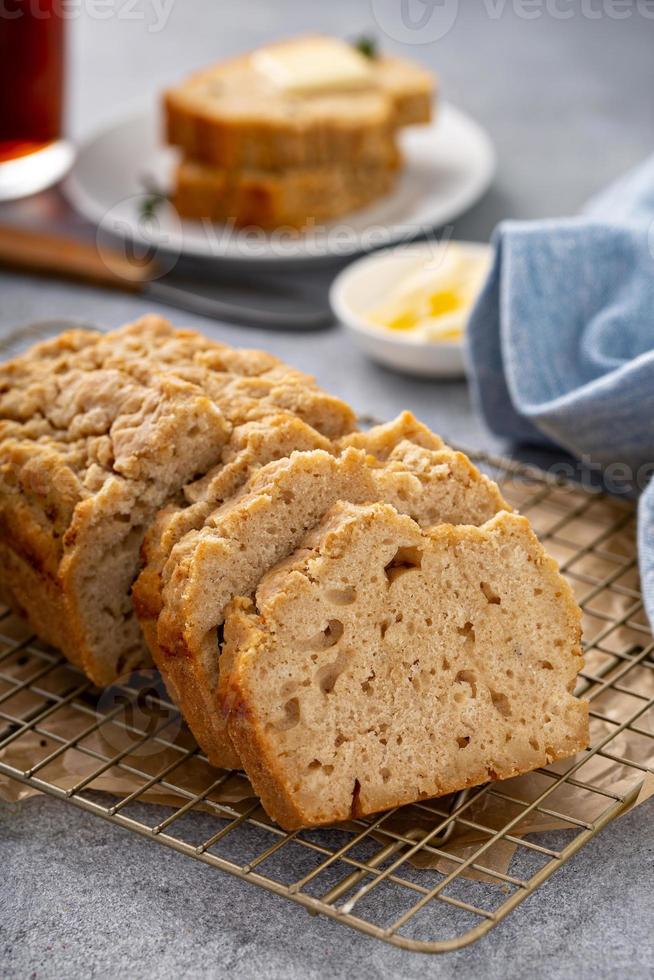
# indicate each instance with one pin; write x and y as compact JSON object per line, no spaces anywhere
{"x":434,"y":300}
{"x":313,"y":66}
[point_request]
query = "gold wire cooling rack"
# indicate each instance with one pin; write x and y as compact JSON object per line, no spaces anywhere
{"x":61,"y":736}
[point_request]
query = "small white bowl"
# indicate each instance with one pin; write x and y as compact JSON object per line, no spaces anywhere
{"x":361,"y":286}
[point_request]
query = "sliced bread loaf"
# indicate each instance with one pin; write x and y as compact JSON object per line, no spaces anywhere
{"x":234,"y":116}
{"x":383,"y":664}
{"x":242,"y":539}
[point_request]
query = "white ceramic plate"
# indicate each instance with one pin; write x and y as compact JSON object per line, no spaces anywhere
{"x":448,"y":166}
{"x":361,"y":287}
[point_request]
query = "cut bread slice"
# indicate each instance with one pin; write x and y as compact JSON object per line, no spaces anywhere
{"x":383,"y":664}
{"x":246,"y":536}
{"x":232,"y":116}
{"x":271,"y":199}
{"x":250,"y":447}
{"x":97,"y":432}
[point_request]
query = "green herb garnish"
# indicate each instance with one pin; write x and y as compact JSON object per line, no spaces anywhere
{"x":366,"y":45}
{"x":152,"y":199}
{"x":149,"y":205}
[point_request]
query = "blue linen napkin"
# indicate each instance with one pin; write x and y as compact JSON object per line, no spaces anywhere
{"x":561,"y":340}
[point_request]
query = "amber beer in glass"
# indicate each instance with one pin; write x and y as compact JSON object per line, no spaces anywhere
{"x":33,"y":153}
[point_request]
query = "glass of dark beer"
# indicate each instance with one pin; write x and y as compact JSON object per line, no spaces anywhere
{"x":33,"y":152}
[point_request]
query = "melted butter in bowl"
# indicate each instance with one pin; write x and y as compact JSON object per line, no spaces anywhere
{"x":434,"y":299}
{"x":408,"y":307}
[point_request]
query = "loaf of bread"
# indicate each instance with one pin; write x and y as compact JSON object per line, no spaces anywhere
{"x":272,"y":199}
{"x":97,"y":432}
{"x":238,"y":542}
{"x":354,"y":617}
{"x":382,"y":664}
{"x":232,"y":116}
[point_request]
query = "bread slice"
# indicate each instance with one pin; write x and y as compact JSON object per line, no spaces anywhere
{"x":383,"y":664}
{"x":250,"y":447}
{"x":272,"y":199}
{"x":97,"y":432}
{"x":246,"y":536}
{"x":231,"y":116}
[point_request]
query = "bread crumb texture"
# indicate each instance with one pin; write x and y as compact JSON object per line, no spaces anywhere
{"x":383,"y":664}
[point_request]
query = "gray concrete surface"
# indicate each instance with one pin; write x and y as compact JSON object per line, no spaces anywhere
{"x":569,"y":105}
